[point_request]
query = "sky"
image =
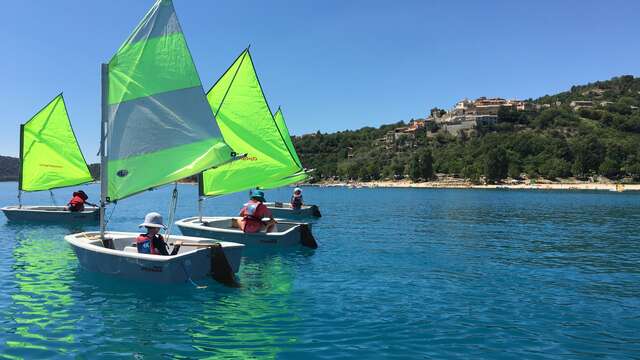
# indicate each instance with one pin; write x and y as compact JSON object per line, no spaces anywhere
{"x":331,"y":64}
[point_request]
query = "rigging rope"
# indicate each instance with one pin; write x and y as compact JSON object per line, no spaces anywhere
{"x":106,"y":222}
{"x":172,"y":211}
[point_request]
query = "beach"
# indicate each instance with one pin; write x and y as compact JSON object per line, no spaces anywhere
{"x":600,"y":186}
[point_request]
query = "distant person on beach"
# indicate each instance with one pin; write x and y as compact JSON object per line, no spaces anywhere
{"x":253,"y":212}
{"x":296,"y":199}
{"x":152,"y":242}
{"x":77,"y":201}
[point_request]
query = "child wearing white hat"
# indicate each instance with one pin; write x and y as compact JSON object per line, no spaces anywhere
{"x":152,"y":242}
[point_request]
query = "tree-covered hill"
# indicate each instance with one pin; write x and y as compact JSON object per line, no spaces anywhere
{"x":9,"y":168}
{"x":555,"y":141}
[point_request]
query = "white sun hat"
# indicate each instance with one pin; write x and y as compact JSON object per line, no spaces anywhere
{"x":153,"y":219}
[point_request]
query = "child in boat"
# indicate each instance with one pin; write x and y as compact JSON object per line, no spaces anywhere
{"x":152,"y":242}
{"x":253,"y":212}
{"x":296,"y":199}
{"x":78,"y":200}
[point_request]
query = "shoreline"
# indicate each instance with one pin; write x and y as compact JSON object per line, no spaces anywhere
{"x":467,"y":185}
{"x":574,"y":186}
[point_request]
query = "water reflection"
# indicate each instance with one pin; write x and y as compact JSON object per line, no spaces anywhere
{"x":255,"y":320}
{"x":42,"y":306}
{"x":227,"y":327}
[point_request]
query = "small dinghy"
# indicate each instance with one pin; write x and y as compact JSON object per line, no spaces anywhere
{"x":118,"y":255}
{"x":249,"y":127}
{"x":53,"y":214}
{"x":227,"y":229}
{"x":151,"y":87}
{"x":50,"y":158}
{"x":285,"y":211}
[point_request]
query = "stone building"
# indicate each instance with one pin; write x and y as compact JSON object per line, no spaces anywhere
{"x":467,"y":115}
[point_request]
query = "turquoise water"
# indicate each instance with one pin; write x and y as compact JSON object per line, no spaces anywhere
{"x":400,"y":273}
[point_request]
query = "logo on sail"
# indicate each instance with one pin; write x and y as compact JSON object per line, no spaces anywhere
{"x":122,"y":173}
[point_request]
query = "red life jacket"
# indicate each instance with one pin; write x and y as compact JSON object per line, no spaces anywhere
{"x":252,"y":214}
{"x":76,"y":203}
{"x":144,"y":243}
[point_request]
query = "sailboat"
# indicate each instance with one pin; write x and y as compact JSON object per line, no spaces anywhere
{"x":284,"y":209}
{"x":248,"y":125}
{"x":156,"y":129}
{"x":50,"y":158}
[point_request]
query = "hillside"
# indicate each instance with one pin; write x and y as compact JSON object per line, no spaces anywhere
{"x":551,"y":140}
{"x":9,"y":168}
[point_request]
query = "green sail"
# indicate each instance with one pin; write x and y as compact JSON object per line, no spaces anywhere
{"x":295,"y":178}
{"x":248,"y":126}
{"x":159,"y":126}
{"x":49,"y":153}
{"x":284,"y":130}
{"x":292,"y":179}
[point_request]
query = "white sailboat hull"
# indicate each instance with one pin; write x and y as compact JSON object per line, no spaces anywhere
{"x":284,"y":210}
{"x":124,"y":261}
{"x":57,"y":214}
{"x":220,"y":227}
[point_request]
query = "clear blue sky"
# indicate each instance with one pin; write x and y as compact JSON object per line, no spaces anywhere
{"x":331,"y":64}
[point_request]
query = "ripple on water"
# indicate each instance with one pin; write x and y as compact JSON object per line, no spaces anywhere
{"x":400,"y":273}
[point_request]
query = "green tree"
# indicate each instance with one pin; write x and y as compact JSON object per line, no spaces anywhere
{"x":588,"y":153}
{"x":421,"y":165}
{"x":414,"y":168}
{"x":514,"y":170}
{"x":609,"y":168}
{"x":426,"y":164}
{"x":633,"y":169}
{"x":546,"y":118}
{"x":496,"y":165}
{"x":510,"y":115}
{"x":555,"y":168}
{"x":471,"y":172}
{"x":396,"y":169}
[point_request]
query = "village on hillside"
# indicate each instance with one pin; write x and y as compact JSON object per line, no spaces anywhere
{"x":467,"y":116}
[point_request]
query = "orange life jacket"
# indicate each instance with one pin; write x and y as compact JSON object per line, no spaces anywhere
{"x":76,"y":203}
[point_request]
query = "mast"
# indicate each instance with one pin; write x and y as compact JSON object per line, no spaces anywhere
{"x":20,"y":166}
{"x":103,"y":156}
{"x":200,"y":195}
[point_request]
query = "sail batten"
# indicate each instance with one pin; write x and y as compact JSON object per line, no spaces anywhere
{"x":160,"y":127}
{"x":50,"y":157}
{"x":248,"y":126}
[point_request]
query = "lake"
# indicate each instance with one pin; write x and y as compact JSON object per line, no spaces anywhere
{"x":400,"y":273}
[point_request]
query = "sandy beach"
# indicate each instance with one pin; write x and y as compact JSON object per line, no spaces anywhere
{"x":468,"y":185}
